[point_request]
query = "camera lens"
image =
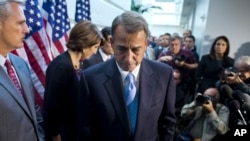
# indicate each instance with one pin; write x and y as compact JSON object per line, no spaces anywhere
{"x":200,"y":99}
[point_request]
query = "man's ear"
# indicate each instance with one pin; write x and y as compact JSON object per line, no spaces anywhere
{"x":112,"y":42}
{"x":1,"y":25}
{"x":147,"y":42}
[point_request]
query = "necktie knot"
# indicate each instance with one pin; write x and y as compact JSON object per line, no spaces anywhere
{"x":7,"y":63}
{"x":130,"y":78}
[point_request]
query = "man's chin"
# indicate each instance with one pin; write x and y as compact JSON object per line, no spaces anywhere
{"x":130,"y":68}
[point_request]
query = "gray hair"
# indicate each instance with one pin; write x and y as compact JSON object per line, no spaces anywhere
{"x":132,"y":22}
{"x":243,"y":59}
{"x":5,"y":10}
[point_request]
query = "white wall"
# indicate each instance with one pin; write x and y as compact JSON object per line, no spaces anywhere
{"x":224,"y":17}
{"x":199,"y":25}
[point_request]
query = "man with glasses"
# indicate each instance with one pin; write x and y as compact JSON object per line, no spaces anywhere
{"x":237,"y":78}
{"x":235,"y":90}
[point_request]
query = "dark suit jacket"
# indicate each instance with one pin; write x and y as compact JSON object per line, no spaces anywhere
{"x":105,"y":112}
{"x":19,"y":118}
{"x":94,"y":59}
{"x":60,"y":99}
{"x":209,"y":71}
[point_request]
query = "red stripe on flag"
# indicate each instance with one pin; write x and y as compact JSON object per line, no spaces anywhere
{"x":59,"y":46}
{"x":40,"y":43}
{"x":34,"y":64}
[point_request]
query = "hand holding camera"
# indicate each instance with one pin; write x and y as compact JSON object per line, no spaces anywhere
{"x":231,"y":72}
{"x":179,"y":60}
{"x":166,"y":58}
{"x":231,"y":75}
{"x":204,"y":101}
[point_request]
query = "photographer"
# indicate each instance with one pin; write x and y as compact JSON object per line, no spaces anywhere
{"x":235,"y":87}
{"x":209,"y":118}
{"x":182,"y":60}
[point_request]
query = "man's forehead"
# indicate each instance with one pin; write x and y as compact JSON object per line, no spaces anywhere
{"x":210,"y":92}
{"x":242,"y":66}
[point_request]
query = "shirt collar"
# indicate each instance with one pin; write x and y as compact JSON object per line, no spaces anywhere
{"x":103,"y":55}
{"x":124,"y":74}
{"x":3,"y":59}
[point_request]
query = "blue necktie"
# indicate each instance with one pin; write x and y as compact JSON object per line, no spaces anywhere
{"x":131,"y":100}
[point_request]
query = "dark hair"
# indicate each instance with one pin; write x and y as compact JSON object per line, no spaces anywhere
{"x":175,"y":38}
{"x":212,"y":50}
{"x":84,"y":35}
{"x":132,"y":22}
{"x":168,"y":34}
{"x":106,"y":31}
{"x":190,"y":36}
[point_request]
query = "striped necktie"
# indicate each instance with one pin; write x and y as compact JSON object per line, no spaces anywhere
{"x":13,"y":76}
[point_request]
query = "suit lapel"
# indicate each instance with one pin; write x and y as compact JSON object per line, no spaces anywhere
{"x":146,"y":91}
{"x":117,"y":94}
{"x":25,"y":83}
{"x":10,"y":87}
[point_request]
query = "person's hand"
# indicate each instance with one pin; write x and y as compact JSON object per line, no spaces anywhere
{"x":166,"y":58}
{"x":208,"y":106}
{"x":232,"y":77}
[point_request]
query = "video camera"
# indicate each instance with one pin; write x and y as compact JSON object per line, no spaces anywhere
{"x":202,"y":99}
{"x":180,"y":58}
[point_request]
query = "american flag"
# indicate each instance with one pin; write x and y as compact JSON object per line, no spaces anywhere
{"x":82,"y":10}
{"x":36,"y":49}
{"x":57,"y":24}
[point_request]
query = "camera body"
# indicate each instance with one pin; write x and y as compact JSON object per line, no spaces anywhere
{"x":202,"y":99}
{"x":180,"y":58}
{"x":231,"y":71}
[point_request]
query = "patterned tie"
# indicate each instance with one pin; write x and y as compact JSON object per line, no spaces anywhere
{"x":13,"y":76}
{"x":131,"y":100}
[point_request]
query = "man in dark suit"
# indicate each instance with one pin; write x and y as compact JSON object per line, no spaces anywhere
{"x":19,"y":117}
{"x":109,"y":111}
{"x":105,"y":52}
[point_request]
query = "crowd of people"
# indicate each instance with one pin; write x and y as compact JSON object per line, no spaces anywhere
{"x":214,"y":73}
{"x":116,"y":85}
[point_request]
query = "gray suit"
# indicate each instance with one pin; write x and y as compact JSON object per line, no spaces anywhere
{"x":19,"y":118}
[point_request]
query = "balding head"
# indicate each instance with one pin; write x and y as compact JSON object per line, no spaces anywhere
{"x":214,"y":94}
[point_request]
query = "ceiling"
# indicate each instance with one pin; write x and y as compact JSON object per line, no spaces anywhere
{"x":174,"y":12}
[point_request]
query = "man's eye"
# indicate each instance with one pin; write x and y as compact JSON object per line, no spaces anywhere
{"x":122,"y":49}
{"x":136,"y":49}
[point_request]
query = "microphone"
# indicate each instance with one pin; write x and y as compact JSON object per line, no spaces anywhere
{"x":236,"y":105}
{"x":226,"y":92}
{"x":246,"y":106}
{"x":239,"y":95}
